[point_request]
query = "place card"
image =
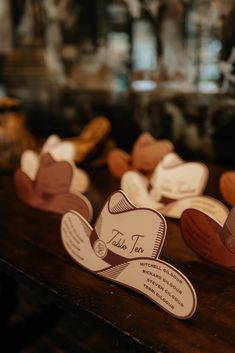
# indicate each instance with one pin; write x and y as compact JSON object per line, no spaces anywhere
{"x":30,"y":161}
{"x":174,"y":179}
{"x":50,"y":185}
{"x":58,"y":149}
{"x":136,"y":186}
{"x":207,"y":204}
{"x":124,"y":247}
{"x":212,"y":241}
{"x":51,"y":141}
{"x":147,"y":152}
{"x":227,"y":186}
{"x":174,"y":186}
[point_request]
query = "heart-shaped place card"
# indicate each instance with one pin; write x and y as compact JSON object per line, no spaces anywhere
{"x":123,"y":247}
{"x":211,"y":240}
{"x":227,"y":186}
{"x":49,"y":185}
{"x":136,"y":186}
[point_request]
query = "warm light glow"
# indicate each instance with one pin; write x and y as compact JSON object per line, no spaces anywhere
{"x":143,"y":85}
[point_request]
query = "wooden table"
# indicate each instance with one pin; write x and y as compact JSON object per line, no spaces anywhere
{"x":31,"y":251}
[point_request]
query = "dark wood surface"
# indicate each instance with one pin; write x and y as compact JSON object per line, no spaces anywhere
{"x":32,"y":252}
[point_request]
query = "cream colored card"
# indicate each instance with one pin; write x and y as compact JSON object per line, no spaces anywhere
{"x":135,"y":185}
{"x":58,"y":149}
{"x":124,"y":247}
{"x":29,"y":163}
{"x":174,"y":187}
{"x":175,"y":179}
{"x":209,"y":205}
{"x":50,"y":142}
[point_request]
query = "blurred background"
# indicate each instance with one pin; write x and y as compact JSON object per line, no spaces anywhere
{"x":162,"y":66}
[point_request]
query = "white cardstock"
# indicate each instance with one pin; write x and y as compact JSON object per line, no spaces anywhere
{"x":124,"y":247}
{"x":58,"y":149}
{"x":29,"y":163}
{"x":174,"y":187}
{"x":135,"y":185}
{"x":210,"y":206}
{"x":177,"y":181}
